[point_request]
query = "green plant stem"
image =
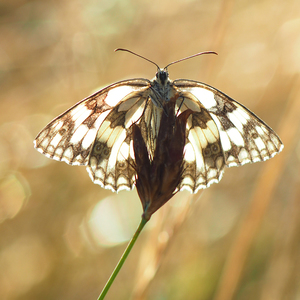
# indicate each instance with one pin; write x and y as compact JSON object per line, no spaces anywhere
{"x":122,"y":260}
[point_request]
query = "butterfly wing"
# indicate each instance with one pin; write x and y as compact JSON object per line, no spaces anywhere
{"x":226,"y":134}
{"x":96,"y":132}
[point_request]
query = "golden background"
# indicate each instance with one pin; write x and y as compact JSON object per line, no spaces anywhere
{"x":240,"y":239}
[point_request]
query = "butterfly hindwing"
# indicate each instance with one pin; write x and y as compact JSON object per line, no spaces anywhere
{"x":111,"y":158}
{"x":203,"y":155}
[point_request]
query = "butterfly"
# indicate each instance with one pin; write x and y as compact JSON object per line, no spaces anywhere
{"x":97,"y":131}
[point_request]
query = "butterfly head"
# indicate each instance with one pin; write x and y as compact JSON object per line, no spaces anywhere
{"x":162,"y":76}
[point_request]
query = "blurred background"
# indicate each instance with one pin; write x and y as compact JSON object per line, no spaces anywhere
{"x":61,"y":236}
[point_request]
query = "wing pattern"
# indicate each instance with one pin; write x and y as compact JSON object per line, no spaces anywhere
{"x":224,"y":125}
{"x":97,"y":132}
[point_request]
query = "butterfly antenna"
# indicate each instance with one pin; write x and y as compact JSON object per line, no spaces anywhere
{"x":122,"y":49}
{"x":197,"y":54}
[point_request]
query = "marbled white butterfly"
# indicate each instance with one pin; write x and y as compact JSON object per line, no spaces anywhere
{"x":97,"y":131}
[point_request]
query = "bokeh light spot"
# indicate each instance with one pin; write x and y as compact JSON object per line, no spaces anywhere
{"x":114,"y":219}
{"x":13,"y":193}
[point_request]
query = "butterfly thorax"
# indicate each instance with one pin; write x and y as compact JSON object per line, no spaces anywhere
{"x":161,"y":88}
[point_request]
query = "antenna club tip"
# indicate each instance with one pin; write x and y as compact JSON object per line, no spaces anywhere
{"x":210,"y":52}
